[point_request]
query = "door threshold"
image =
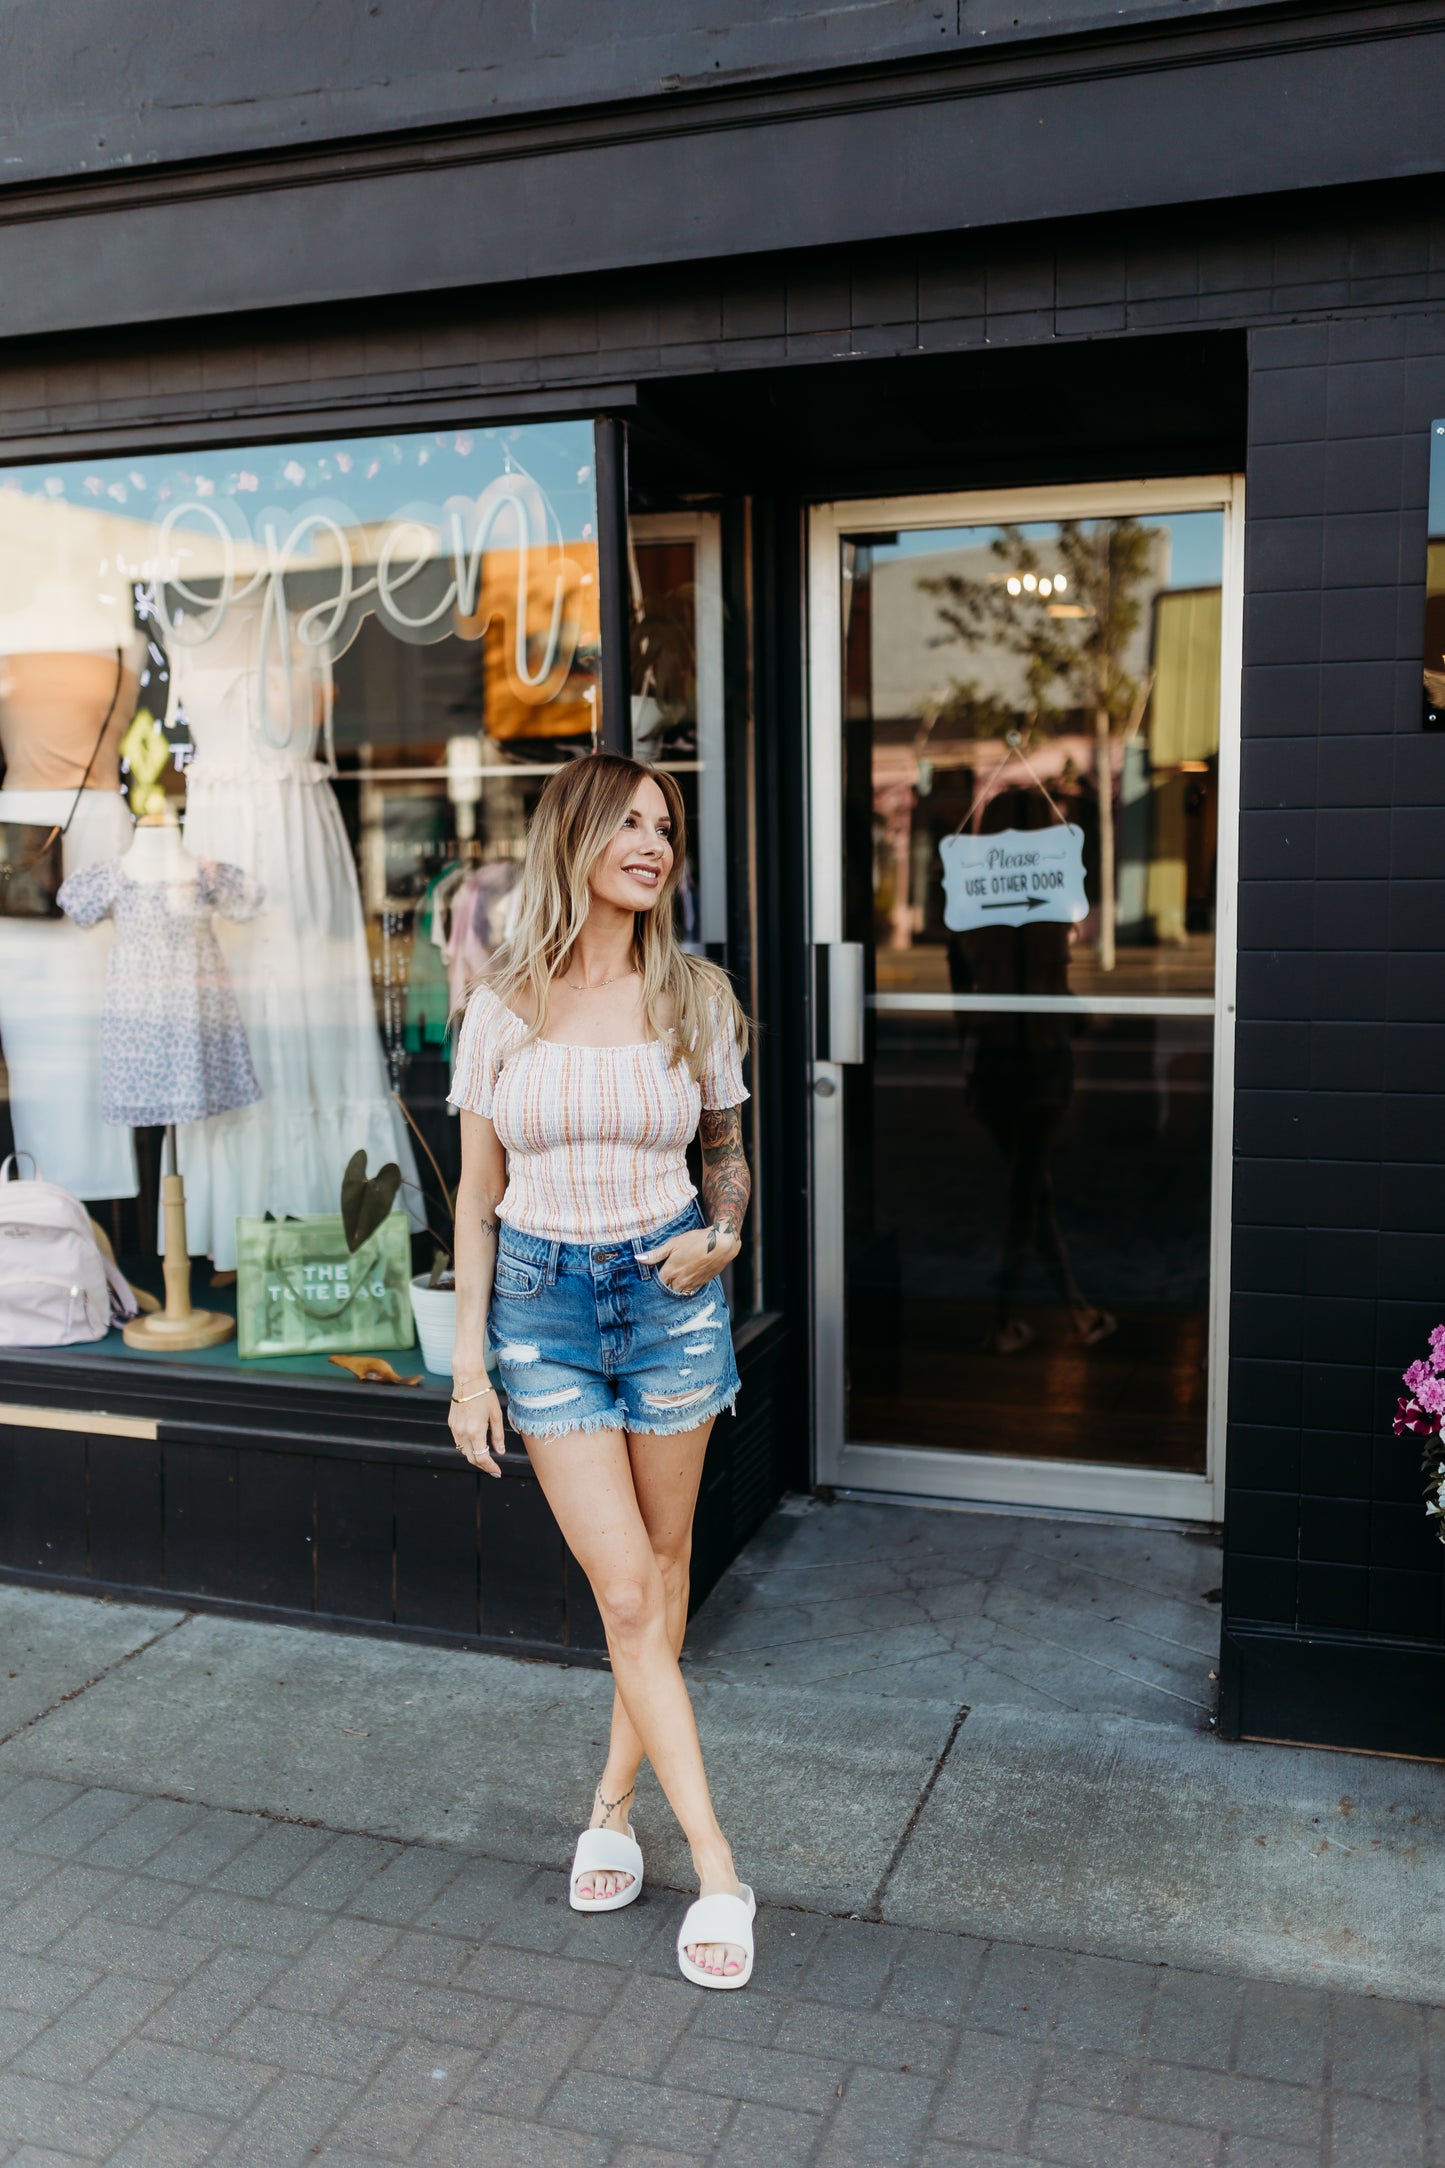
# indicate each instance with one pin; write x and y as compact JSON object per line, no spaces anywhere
{"x":1088,"y":1516}
{"x":1090,"y":1488}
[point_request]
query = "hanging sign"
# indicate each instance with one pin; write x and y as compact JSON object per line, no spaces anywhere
{"x":1014,"y":877}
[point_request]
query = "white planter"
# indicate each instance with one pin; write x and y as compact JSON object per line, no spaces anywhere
{"x":435,"y":1311}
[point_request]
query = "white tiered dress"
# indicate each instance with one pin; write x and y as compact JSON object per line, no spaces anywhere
{"x":258,"y":798}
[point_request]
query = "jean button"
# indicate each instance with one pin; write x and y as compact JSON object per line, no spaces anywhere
{"x":607,"y":1257}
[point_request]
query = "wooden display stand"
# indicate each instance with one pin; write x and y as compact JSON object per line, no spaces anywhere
{"x":177,"y":1328}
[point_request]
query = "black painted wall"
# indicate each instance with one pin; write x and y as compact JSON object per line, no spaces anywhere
{"x":286,"y":1499}
{"x":226,"y":187}
{"x":1339,"y":1252}
{"x":1029,"y":292}
{"x":88,"y":90}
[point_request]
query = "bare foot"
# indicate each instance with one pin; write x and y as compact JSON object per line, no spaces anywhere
{"x":717,"y":1878}
{"x":1009,"y":1338}
{"x":1091,"y":1326}
{"x":608,"y":1814}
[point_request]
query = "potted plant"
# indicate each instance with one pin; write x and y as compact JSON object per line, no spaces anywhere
{"x":1421,"y":1412}
{"x":434,"y":1293}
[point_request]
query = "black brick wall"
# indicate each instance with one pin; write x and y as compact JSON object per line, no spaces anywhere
{"x":1339,"y":1250}
{"x":1261,"y":263}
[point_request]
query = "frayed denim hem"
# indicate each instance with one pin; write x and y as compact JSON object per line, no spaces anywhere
{"x":689,"y":1417}
{"x":557,"y":1425}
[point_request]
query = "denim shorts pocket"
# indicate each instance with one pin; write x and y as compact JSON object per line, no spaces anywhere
{"x":711,"y":1290}
{"x":515,"y":1279}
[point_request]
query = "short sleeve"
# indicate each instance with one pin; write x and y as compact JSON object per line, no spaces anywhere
{"x":481,"y":1051}
{"x":87,"y":896}
{"x":722,"y":1077}
{"x":230,"y":891}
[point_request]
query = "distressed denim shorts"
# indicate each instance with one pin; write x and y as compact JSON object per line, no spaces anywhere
{"x":587,"y":1337}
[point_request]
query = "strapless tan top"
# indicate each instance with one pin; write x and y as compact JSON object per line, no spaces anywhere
{"x":51,"y":710}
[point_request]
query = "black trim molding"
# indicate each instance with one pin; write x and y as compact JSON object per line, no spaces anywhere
{"x":1375,"y":1696}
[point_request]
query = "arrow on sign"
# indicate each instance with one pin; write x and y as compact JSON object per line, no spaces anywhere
{"x":1027,"y":903}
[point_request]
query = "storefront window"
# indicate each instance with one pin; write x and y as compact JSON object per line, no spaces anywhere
{"x":292,"y":705}
{"x":677,"y":700}
{"x":681,"y":722}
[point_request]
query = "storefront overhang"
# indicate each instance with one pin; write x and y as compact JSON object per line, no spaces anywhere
{"x":1199,"y":109}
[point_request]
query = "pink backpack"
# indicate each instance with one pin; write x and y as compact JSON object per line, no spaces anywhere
{"x":55,"y":1286}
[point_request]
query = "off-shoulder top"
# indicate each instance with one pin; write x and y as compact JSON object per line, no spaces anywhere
{"x":596,"y":1137}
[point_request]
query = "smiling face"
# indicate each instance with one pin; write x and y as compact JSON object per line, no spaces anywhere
{"x":633,"y":870}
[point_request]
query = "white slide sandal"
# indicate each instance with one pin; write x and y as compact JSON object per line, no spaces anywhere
{"x":606,"y":1851}
{"x":718,"y":1919}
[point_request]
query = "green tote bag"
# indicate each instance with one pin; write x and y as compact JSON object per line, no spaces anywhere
{"x":300,"y":1291}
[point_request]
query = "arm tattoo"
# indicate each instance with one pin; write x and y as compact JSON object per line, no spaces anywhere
{"x":726,"y":1183}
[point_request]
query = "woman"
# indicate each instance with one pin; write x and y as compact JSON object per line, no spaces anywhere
{"x":589,"y":1058}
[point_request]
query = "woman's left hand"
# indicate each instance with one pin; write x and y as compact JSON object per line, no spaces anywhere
{"x":689,"y":1261}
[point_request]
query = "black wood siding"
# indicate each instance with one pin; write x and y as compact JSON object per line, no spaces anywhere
{"x":388,"y":1535}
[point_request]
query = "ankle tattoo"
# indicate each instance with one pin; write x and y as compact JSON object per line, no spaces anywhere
{"x":610,"y":1806}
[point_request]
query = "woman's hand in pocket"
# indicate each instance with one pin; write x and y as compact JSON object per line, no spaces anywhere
{"x":687,"y":1262}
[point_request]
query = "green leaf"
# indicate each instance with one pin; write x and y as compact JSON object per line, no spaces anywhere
{"x":365,"y":1203}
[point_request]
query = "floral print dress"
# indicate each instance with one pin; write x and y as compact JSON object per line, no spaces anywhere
{"x":172,"y":1045}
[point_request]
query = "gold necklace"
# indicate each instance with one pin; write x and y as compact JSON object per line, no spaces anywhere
{"x":596,"y":985}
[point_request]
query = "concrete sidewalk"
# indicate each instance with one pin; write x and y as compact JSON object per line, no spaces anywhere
{"x":278,"y":1896}
{"x":1071,"y":1794}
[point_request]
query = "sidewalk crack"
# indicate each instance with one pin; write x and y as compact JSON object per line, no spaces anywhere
{"x":873,"y":1910}
{"x":103,"y":1673}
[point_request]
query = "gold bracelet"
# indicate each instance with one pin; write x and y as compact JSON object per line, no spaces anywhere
{"x":481,"y":1392}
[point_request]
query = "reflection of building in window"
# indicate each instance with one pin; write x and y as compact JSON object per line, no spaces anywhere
{"x":677,"y":699}
{"x":1435,"y":608}
{"x":511,"y":706}
{"x":1183,"y":729}
{"x":982,"y":664}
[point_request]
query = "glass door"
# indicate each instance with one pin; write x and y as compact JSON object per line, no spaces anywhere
{"x":1023,"y":777}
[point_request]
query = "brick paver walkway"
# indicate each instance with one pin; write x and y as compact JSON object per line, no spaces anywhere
{"x":181,"y":1985}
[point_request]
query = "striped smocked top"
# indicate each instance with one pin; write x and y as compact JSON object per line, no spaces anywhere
{"x":596,"y":1137}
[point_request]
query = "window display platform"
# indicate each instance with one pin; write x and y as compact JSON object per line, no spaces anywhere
{"x":303,"y":1497}
{"x":406,"y":1361}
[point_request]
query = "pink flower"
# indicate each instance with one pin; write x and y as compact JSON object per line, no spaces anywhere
{"x":1437,"y":1347}
{"x":1409,"y":1415}
{"x":1431,"y":1396}
{"x":1417,"y":1377}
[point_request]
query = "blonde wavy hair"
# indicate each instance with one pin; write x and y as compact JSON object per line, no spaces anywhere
{"x":579,"y":813}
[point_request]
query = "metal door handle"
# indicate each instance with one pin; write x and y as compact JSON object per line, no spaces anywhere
{"x":840,"y":981}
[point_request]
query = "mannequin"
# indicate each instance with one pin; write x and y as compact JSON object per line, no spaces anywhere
{"x":52,"y":705}
{"x":172,"y":1044}
{"x":157,"y":850}
{"x":53,"y":701}
{"x":159,"y":859}
{"x":260,"y":799}
{"x":158,"y":853}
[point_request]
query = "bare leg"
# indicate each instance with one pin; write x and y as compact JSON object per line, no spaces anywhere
{"x":1010,"y":1333}
{"x":666,"y":1473}
{"x":1091,"y":1324}
{"x":588,"y":1483}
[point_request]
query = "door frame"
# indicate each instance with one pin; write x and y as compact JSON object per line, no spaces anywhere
{"x":704,"y":531}
{"x":983,"y":1478}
